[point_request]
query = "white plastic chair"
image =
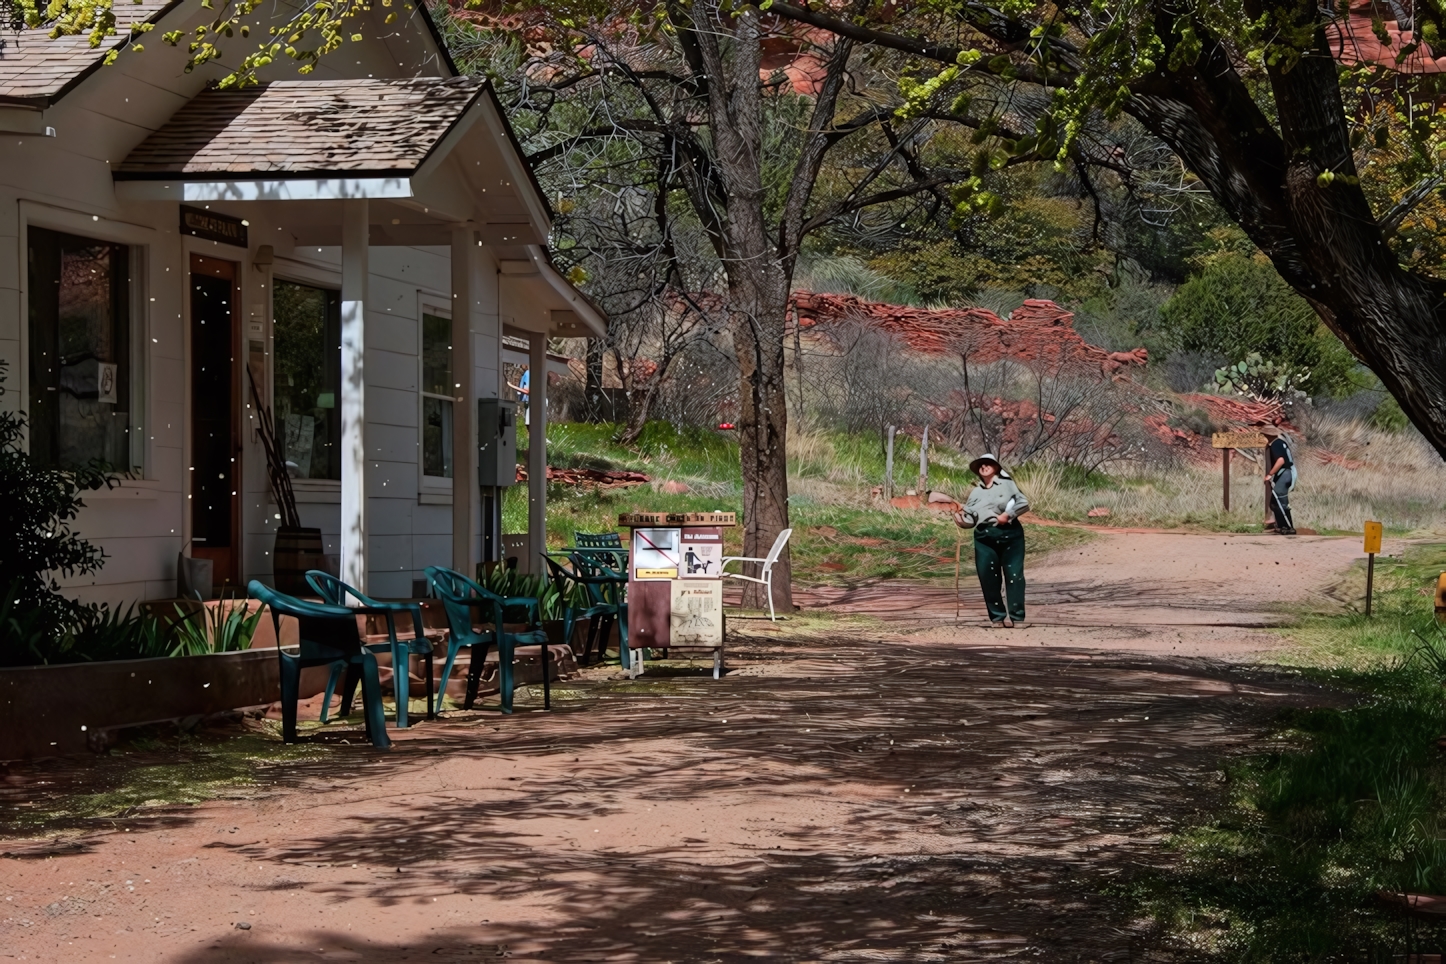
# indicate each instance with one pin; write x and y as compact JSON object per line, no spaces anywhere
{"x":765,"y":577}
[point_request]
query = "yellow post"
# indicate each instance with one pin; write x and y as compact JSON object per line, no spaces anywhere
{"x":1372,"y":546}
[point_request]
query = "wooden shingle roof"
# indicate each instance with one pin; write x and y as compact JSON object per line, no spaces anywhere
{"x":35,"y":70}
{"x":305,"y":127}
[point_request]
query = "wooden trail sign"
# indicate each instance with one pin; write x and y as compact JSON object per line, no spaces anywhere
{"x":1238,"y":440}
{"x":716,"y":518}
{"x":1226,"y":442}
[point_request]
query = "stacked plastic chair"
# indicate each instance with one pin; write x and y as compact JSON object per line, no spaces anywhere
{"x":328,"y":637}
{"x":335,"y":592}
{"x":588,"y":597}
{"x":461,"y":598}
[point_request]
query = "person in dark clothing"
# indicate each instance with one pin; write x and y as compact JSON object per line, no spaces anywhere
{"x":1280,"y":477}
{"x":992,"y":511}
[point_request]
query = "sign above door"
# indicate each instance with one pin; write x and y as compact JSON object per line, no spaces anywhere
{"x":210,"y":226}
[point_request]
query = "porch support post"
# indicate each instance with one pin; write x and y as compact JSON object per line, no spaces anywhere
{"x":354,"y":269}
{"x":465,"y":294}
{"x":537,"y":452}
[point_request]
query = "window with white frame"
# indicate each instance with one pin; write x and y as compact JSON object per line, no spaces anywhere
{"x":307,"y":329}
{"x":437,"y":395}
{"x":81,"y":351}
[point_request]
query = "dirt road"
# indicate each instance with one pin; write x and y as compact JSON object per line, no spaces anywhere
{"x":1162,"y":592}
{"x":951,"y":795}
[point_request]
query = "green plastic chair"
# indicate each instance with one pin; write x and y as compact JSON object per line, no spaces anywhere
{"x":593,"y":541}
{"x":334,"y":592}
{"x":460,"y":596}
{"x":607,"y":588}
{"x":328,"y":636}
{"x":578,"y":602}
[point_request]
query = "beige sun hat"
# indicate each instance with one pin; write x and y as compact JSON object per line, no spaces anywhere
{"x":987,"y":457}
{"x":1269,"y":431}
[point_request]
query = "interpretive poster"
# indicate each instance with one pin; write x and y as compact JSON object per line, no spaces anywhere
{"x":697,"y":618}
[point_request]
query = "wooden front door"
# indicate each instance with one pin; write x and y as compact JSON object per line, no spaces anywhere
{"x":215,"y":441}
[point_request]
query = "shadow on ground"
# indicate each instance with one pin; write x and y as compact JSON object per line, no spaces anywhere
{"x":871,"y":801}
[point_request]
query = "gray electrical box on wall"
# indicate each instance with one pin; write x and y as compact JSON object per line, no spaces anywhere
{"x":496,"y":442}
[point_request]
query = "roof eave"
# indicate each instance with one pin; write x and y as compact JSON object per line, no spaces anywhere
{"x":516,"y":145}
{"x":46,"y":101}
{"x":273,"y":188}
{"x":578,"y":302}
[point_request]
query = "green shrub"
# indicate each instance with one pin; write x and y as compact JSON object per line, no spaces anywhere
{"x":38,"y":505}
{"x":509,"y":583}
{"x":1388,"y":416}
{"x":1238,"y":304}
{"x":210,"y":630}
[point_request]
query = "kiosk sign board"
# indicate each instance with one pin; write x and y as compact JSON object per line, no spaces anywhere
{"x":697,"y":613}
{"x":701,"y":554}
{"x":656,"y":553}
{"x":675,"y":583}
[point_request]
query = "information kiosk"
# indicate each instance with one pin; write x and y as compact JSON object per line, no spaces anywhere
{"x":675,"y":582}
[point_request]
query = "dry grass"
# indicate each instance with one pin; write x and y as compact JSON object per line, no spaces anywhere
{"x":1397,"y":479}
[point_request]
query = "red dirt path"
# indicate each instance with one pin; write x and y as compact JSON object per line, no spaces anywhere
{"x":926,"y":794}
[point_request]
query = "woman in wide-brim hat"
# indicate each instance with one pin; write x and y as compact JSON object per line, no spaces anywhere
{"x":992,"y":510}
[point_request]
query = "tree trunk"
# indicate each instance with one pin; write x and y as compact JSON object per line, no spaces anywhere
{"x":593,"y":383}
{"x":638,"y":414}
{"x":757,"y":326}
{"x":729,"y":48}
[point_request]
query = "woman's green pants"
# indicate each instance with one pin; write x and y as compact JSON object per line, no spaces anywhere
{"x":999,"y":560}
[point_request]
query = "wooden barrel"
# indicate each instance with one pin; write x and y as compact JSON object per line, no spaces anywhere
{"x":297,"y":550}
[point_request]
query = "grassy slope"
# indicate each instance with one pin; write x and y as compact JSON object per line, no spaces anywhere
{"x":1339,"y":803}
{"x":838,"y":533}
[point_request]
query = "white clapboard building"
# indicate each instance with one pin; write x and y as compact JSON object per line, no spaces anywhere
{"x":357,"y":240}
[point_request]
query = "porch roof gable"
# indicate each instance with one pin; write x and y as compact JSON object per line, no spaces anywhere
{"x":305,"y":128}
{"x":36,"y":71}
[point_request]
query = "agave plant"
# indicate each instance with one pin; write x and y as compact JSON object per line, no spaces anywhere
{"x":1431,"y":652}
{"x":510,"y":582}
{"x":214,"y":629}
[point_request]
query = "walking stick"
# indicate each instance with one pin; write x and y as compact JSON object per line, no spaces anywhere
{"x":958,"y":546}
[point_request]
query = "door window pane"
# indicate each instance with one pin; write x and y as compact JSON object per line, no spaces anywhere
{"x":437,"y":388}
{"x":308,"y":378}
{"x":213,"y":422}
{"x":437,"y":355}
{"x":80,"y":378}
{"x":437,"y":437}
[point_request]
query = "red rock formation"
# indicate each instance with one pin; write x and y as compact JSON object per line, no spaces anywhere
{"x":1036,"y":331}
{"x":1353,"y":40}
{"x":1240,"y":412}
{"x":590,"y":478}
